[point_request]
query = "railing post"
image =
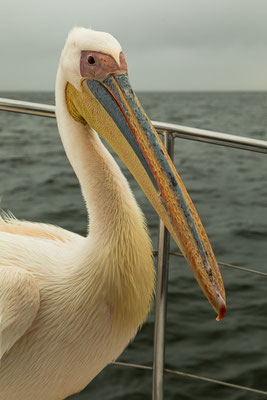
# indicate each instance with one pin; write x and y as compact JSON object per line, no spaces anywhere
{"x":161,"y":298}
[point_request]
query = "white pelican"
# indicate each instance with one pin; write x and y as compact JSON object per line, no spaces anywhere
{"x":69,"y":305}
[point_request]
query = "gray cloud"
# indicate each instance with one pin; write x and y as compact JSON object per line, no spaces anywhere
{"x":170,"y":45}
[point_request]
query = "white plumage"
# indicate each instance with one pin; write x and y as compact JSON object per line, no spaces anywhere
{"x":69,"y":304}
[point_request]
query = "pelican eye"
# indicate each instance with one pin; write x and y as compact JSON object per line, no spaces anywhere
{"x":91,"y":60}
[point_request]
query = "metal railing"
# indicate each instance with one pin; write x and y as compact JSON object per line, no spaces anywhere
{"x":185,"y":132}
{"x":170,"y":132}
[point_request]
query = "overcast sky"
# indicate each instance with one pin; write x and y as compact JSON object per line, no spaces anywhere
{"x":169,"y":44}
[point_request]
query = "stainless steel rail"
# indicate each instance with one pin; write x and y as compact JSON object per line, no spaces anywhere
{"x":222,"y":264}
{"x":25,"y":107}
{"x":170,"y":131}
{"x":191,"y":376}
{"x":184,"y":132}
{"x":222,"y":139}
{"x":161,"y":298}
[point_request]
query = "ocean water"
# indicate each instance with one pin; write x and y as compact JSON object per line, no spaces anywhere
{"x":229,"y":189}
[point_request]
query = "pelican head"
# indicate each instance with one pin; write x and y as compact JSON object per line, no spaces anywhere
{"x":98,"y":93}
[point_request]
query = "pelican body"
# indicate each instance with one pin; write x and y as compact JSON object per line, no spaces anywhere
{"x":69,"y":305}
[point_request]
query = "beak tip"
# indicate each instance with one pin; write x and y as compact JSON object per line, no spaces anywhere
{"x":221,"y":308}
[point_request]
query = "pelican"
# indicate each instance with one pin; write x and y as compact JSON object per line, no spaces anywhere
{"x":69,"y":305}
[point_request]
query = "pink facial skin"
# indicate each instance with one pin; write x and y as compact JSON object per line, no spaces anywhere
{"x":98,"y":66}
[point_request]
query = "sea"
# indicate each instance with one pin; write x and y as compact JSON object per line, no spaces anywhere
{"x":229,"y":189}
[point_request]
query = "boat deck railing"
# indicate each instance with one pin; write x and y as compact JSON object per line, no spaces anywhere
{"x":169,"y":132}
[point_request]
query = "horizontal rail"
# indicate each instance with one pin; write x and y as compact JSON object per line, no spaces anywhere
{"x":202,"y":378}
{"x":26,"y":107}
{"x":222,"y":264}
{"x":185,"y":132}
{"x":222,"y":139}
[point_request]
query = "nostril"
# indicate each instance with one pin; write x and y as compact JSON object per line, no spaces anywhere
{"x":91,"y":60}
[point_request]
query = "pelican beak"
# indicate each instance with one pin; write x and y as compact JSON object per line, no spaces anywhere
{"x":111,"y":108}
